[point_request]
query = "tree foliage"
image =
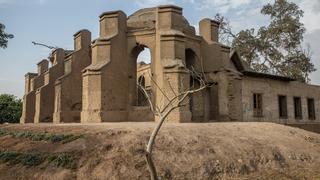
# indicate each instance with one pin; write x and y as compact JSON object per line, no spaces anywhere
{"x":276,"y":48}
{"x":4,"y":37}
{"x":10,"y":108}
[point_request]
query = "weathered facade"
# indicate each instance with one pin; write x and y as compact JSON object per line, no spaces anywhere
{"x":97,"y":82}
{"x":68,"y":87}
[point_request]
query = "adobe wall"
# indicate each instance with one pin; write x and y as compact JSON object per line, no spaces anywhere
{"x":32,"y":82}
{"x":105,"y":81}
{"x":210,"y":45}
{"x":44,"y":96}
{"x":109,"y":83}
{"x":270,"y":89}
{"x":28,"y":100}
{"x":68,"y":88}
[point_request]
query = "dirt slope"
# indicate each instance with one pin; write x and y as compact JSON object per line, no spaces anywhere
{"x":183,"y":151}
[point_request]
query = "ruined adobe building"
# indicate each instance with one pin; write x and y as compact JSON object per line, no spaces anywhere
{"x":97,"y":81}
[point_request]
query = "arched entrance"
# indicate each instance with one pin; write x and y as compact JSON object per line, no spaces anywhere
{"x":140,"y":73}
{"x":196,"y":100}
{"x":110,"y":82}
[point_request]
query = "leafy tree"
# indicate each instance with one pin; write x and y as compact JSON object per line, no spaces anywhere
{"x":4,"y":37}
{"x":275,"y":48}
{"x":10,"y":108}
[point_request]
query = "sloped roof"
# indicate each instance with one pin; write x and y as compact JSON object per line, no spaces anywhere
{"x":247,"y":71}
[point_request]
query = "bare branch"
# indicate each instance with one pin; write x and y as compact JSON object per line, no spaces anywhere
{"x":47,"y":46}
{"x":171,"y":87}
{"x":172,"y":103}
{"x":155,"y":83}
{"x":148,"y":98}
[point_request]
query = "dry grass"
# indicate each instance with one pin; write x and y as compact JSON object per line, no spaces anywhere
{"x":183,"y":151}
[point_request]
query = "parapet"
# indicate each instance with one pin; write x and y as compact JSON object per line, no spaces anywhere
{"x":112,"y":22}
{"x":170,"y":17}
{"x":28,"y":77}
{"x":82,"y":39}
{"x":57,"y":56}
{"x":170,"y":8}
{"x":43,"y":66}
{"x":209,"y":29}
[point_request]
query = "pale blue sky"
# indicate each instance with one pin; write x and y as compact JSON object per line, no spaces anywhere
{"x":55,"y":21}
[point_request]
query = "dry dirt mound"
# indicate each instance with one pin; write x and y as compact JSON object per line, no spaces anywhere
{"x":183,"y":151}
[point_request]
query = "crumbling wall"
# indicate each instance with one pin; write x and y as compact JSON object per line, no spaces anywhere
{"x":270,"y":90}
{"x":234,"y":93}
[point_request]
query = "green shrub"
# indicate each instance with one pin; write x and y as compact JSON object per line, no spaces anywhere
{"x":31,"y":159}
{"x":64,"y":160}
{"x":34,"y":159}
{"x":10,"y":108}
{"x":41,"y":136}
{"x":51,"y":158}
{"x":8,"y":156}
{"x":72,"y":138}
{"x":38,"y":137}
{"x":58,"y":138}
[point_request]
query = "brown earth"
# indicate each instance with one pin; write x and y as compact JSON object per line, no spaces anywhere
{"x":182,"y":151}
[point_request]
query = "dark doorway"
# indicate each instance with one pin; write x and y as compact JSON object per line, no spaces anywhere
{"x":196,"y":100}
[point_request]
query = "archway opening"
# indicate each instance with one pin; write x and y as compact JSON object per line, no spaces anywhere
{"x":191,"y":59}
{"x":140,"y":75}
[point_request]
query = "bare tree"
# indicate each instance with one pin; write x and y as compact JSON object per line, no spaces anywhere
{"x":174,"y":102}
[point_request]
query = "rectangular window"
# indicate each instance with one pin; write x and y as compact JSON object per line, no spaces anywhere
{"x":311,"y":109}
{"x":283,"y":106}
{"x":297,"y":108}
{"x":257,"y":105}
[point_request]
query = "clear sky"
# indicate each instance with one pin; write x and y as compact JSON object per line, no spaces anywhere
{"x":55,"y":21}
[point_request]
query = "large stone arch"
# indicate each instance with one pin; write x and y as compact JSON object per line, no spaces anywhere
{"x":110,"y":81}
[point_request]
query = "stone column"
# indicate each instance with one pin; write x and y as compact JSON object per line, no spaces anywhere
{"x":28,"y":100}
{"x":105,"y":81}
{"x":68,"y":88}
{"x":209,"y":29}
{"x":43,"y":66}
{"x":175,"y":78}
{"x":210,"y":47}
{"x":82,"y":39}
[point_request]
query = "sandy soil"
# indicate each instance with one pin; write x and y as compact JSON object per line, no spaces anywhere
{"x":182,"y":151}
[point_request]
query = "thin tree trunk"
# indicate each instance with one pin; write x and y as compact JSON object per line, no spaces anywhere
{"x":163,"y":115}
{"x":151,"y":166}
